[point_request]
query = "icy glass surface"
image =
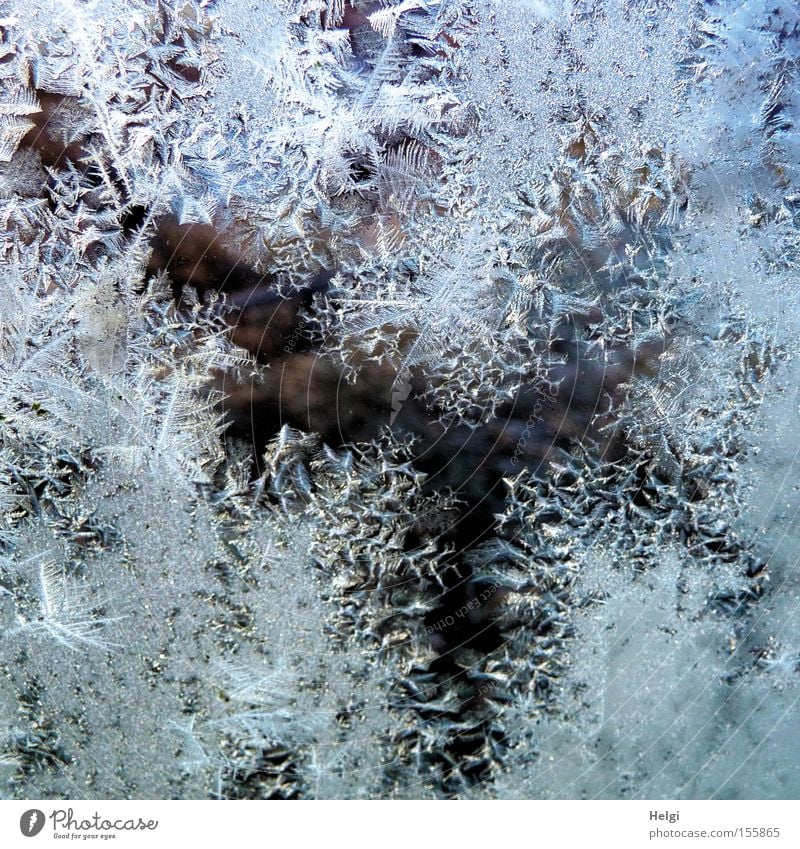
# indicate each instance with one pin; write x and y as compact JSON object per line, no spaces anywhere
{"x":399,"y":399}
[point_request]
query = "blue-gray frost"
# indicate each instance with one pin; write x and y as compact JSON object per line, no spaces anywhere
{"x":564,"y":240}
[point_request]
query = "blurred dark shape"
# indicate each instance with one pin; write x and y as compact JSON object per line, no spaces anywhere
{"x":311,"y":393}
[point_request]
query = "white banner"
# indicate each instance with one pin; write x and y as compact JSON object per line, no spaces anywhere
{"x":350,"y":825}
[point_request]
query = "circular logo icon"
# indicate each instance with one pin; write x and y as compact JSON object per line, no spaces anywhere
{"x":31,"y":822}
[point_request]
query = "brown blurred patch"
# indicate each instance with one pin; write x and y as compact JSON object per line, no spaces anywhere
{"x":46,"y":137}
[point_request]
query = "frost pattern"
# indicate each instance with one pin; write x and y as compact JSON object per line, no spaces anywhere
{"x":563,"y":240}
